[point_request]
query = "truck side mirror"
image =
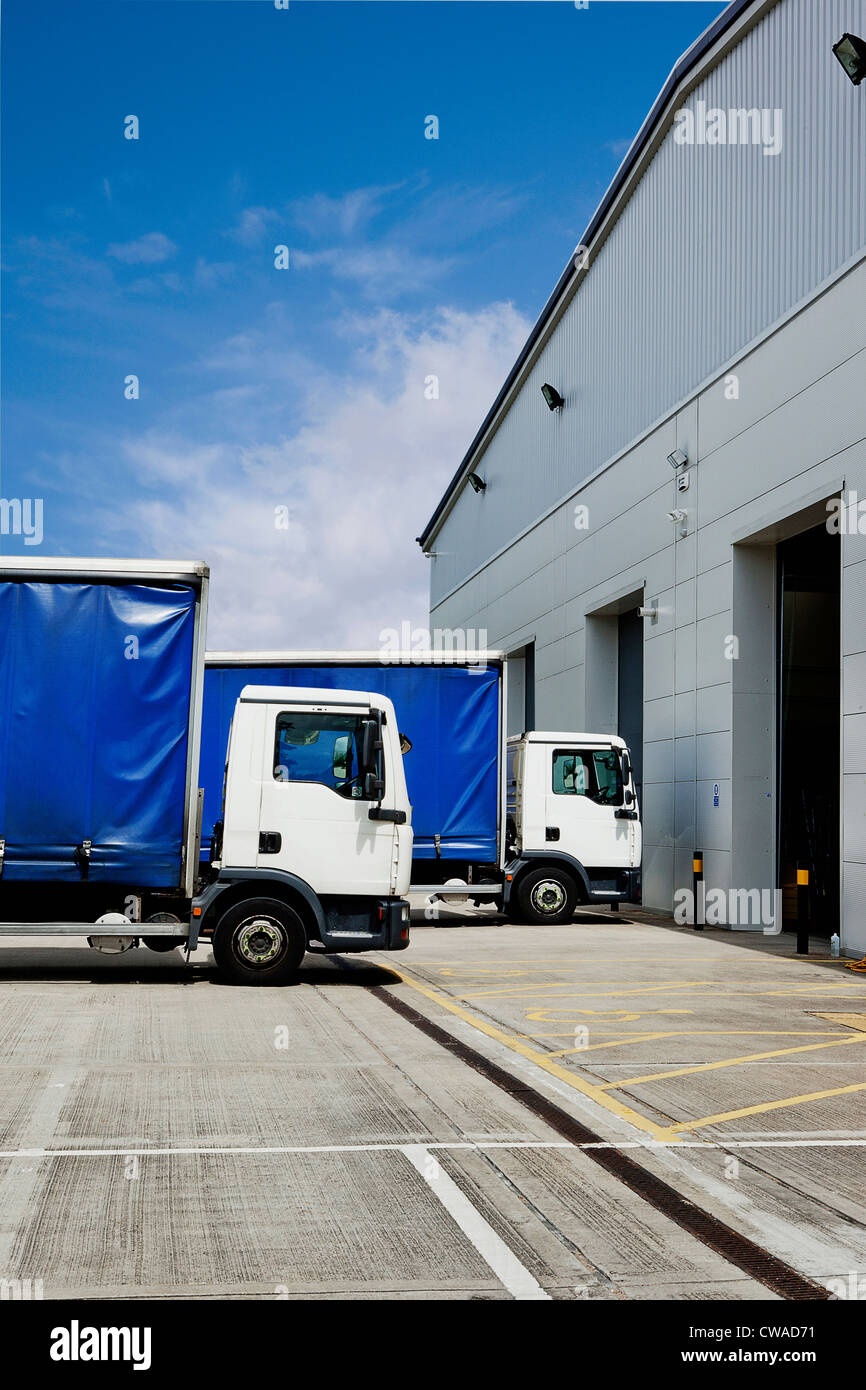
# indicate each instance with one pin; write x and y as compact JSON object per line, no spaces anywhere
{"x":626,"y":767}
{"x":371,"y":743}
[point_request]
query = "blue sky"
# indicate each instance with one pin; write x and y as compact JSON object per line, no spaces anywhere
{"x":301,"y":389}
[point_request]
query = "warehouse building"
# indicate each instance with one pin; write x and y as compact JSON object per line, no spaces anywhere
{"x":665,"y":522}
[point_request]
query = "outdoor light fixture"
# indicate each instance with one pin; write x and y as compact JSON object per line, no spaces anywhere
{"x":680,"y":517}
{"x":477,"y":484}
{"x":552,"y":397}
{"x":851,"y":53}
{"x":677,"y":458}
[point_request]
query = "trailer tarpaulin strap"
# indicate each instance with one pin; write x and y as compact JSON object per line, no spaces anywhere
{"x":94,"y":709}
{"x":451,"y":715}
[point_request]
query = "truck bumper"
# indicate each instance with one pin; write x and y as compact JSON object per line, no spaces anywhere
{"x":627,"y":888}
{"x":382,"y":926}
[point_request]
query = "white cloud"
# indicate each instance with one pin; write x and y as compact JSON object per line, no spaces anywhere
{"x":253,"y":225}
{"x":321,"y":216}
{"x":382,"y":271}
{"x":145,"y":250}
{"x":359,"y":476}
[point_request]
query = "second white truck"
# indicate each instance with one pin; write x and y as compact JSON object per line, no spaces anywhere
{"x":535,"y":824}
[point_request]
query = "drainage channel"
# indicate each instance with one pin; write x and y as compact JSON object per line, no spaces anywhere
{"x":744,"y":1254}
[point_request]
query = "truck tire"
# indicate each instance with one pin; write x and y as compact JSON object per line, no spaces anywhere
{"x":162,"y":944}
{"x":260,"y":941}
{"x":547,"y":895}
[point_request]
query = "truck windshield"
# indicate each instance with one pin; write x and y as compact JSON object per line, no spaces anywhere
{"x":595,"y":773}
{"x":320,"y":748}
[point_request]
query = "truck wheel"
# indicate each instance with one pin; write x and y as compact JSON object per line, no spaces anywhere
{"x":259,"y":942}
{"x":547,"y":895}
{"x":162,"y":944}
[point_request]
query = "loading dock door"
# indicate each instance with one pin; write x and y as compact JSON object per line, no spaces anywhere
{"x":808,"y":696}
{"x":630,"y":689}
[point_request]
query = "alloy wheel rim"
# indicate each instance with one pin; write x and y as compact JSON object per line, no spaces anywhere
{"x":259,"y":941}
{"x":548,"y":896}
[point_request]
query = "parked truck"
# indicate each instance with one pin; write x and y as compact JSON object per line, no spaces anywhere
{"x":535,"y":824}
{"x":101,"y":678}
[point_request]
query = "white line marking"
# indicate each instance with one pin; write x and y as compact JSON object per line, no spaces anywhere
{"x":480,"y":1145}
{"x":17,"y":1186}
{"x":492,"y":1249}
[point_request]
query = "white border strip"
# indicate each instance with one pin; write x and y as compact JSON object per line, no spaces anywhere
{"x":492,"y":1249}
{"x":480,"y":1146}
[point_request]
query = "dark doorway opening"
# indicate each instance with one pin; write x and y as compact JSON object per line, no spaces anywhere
{"x":529,"y":687}
{"x":630,"y":689}
{"x":808,"y":699}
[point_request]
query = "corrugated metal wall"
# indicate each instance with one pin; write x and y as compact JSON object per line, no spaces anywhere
{"x":714,"y":246}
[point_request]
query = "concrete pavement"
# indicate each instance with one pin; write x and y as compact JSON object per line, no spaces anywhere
{"x":212,"y":1141}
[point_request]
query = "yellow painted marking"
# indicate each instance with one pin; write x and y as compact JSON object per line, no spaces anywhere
{"x":731,"y":1062}
{"x":621,"y":1041}
{"x":457,"y":968}
{"x":591,"y":993}
{"x":704,"y":1033}
{"x":769,"y":1105}
{"x":850,"y":1020}
{"x":586,"y":1088}
{"x":616,"y":1042}
{"x":546,"y":1015}
{"x":562,"y":989}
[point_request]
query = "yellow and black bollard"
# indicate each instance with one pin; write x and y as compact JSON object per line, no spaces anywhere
{"x":802,"y":910}
{"x":697,"y":877}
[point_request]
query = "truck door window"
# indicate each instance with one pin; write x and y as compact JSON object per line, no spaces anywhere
{"x":320,"y":748}
{"x":594,"y":773}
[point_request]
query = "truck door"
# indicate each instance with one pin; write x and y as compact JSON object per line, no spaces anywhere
{"x":315,"y":807}
{"x":584,"y":793}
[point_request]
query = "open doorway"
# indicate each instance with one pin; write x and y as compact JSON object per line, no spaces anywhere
{"x":629,"y":689}
{"x":808,"y":712}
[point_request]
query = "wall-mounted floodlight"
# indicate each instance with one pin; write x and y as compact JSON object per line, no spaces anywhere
{"x":552,"y":397}
{"x":477,"y":484}
{"x":851,"y":53}
{"x":681,"y":518}
{"x":677,"y":459}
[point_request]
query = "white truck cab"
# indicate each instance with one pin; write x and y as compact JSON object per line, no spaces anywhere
{"x":573,"y":827}
{"x":315,"y":845}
